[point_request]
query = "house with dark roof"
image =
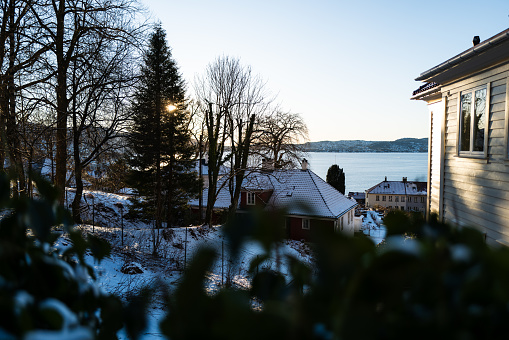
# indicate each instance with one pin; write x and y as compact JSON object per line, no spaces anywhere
{"x":398,"y":195}
{"x":308,"y":200}
{"x":468,"y":162}
{"x":358,"y":196}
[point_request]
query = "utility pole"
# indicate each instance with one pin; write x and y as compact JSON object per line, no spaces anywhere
{"x":185,"y":252}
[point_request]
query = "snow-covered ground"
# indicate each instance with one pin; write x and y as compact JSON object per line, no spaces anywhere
{"x":372,"y":225}
{"x":174,"y":248}
{"x":133,"y":266}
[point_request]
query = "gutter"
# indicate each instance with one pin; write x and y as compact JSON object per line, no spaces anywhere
{"x":485,"y":45}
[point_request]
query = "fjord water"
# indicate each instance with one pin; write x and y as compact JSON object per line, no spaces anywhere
{"x":364,"y":170}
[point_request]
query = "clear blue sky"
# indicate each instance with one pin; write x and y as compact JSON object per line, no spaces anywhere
{"x":347,"y":67}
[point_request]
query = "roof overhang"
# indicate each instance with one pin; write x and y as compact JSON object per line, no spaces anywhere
{"x":429,"y":95}
{"x":486,"y":54}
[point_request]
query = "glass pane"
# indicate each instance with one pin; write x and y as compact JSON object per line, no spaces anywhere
{"x":479,"y":119}
{"x":466,"y":100}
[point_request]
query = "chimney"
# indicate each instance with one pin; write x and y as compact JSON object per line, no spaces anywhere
{"x":305,"y":164}
{"x":476,"y":40}
{"x":404,"y":179}
{"x":385,"y":179}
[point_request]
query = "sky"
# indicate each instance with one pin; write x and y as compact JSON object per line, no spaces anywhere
{"x":348,"y":67}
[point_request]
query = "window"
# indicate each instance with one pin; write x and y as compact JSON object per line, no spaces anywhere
{"x":377,"y":198}
{"x":390,"y":198}
{"x":402,"y":208}
{"x":251,"y":197}
{"x":422,"y":199}
{"x":415,"y":199}
{"x":402,"y":198}
{"x":383,"y":198}
{"x":305,"y":223}
{"x":396,"y":199}
{"x":472,"y":121}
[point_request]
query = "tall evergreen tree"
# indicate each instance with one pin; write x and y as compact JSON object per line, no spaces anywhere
{"x":160,"y":141}
{"x":336,"y":178}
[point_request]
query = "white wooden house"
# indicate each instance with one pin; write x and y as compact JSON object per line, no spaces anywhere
{"x":468,"y":166}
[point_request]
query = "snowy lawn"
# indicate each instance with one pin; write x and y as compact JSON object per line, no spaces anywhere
{"x":133,"y":264}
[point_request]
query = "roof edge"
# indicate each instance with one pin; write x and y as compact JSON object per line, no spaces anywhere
{"x":471,"y":52}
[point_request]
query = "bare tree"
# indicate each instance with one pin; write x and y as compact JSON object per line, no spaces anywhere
{"x":101,"y":85}
{"x":73,"y":28}
{"x":22,"y":44}
{"x":280,"y":138}
{"x":232,"y":99}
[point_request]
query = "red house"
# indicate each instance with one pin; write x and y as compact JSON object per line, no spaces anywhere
{"x":309,"y":201}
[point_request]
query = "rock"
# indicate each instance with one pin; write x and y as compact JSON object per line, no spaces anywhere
{"x":132,"y":268}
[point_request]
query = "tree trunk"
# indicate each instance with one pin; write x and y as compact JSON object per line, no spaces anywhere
{"x":11,"y":127}
{"x":62,"y":103}
{"x":76,"y":203}
{"x":169,"y":191}
{"x":213,"y":168}
{"x":241,"y":163}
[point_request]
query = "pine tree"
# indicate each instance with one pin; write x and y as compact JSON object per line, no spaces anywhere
{"x":336,"y":178}
{"x":160,"y":142}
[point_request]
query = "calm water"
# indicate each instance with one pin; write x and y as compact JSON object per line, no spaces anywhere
{"x":364,"y":170}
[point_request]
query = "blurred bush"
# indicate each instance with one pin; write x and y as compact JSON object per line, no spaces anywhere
{"x":427,"y":280}
{"x":47,"y":290}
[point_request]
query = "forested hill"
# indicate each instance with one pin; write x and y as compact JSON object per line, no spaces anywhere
{"x":399,"y":145}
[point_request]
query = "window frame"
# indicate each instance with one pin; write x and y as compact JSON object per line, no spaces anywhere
{"x":506,"y":132}
{"x":306,"y":223}
{"x":251,"y":198}
{"x":470,"y":153}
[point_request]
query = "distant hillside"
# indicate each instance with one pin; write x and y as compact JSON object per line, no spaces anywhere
{"x":399,"y":145}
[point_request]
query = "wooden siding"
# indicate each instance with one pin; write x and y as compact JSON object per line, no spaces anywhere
{"x":295,"y":231}
{"x":476,"y":190}
{"x":435,"y":149}
{"x":261,"y":199}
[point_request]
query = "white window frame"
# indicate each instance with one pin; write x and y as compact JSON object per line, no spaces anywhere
{"x":470,"y":153}
{"x":251,"y":198}
{"x":306,"y":223}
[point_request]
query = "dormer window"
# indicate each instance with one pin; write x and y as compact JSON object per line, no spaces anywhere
{"x":251,"y":198}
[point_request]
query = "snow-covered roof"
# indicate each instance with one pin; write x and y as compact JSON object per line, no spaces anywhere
{"x":223,"y":198}
{"x":205,"y":167}
{"x":357,"y":195}
{"x":301,"y":192}
{"x":398,"y":188}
